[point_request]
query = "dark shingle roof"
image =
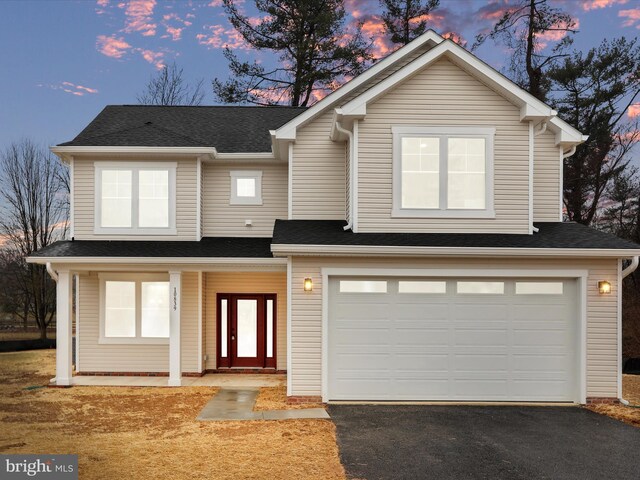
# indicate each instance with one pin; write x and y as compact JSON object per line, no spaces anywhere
{"x":207,"y":247}
{"x":551,"y":235}
{"x":230,"y":129}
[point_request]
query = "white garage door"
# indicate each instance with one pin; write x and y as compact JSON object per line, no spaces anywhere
{"x":442,"y":339}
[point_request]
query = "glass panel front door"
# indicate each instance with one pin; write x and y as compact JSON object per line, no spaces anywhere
{"x":247,"y":328}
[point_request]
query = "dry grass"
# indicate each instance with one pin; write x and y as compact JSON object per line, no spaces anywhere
{"x":6,"y":336}
{"x":275,"y":398}
{"x":138,"y":432}
{"x":630,"y":392}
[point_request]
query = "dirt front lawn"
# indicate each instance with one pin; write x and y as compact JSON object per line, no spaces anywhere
{"x":150,"y":433}
{"x":628,"y":414}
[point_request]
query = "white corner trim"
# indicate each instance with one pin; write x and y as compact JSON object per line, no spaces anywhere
{"x":290,"y":183}
{"x":200,"y":320}
{"x":580,"y":275}
{"x":289,"y":327}
{"x":77,"y":300}
{"x":619,"y":330}
{"x":288,"y":130}
{"x":72,"y":214}
{"x":199,"y":200}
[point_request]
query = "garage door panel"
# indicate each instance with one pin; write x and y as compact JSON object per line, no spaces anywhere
{"x":421,"y":337}
{"x":450,"y":346}
{"x":476,"y":362}
{"x":481,"y":337}
{"x":478,"y":312}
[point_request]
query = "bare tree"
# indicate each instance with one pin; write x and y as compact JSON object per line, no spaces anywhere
{"x":525,"y":27}
{"x":33,"y":214}
{"x":169,"y":87}
{"x":405,"y":20}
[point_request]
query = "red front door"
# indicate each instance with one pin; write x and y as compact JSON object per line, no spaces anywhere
{"x":246,"y":330}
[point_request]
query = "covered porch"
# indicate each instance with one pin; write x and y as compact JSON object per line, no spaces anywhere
{"x":167,"y":320}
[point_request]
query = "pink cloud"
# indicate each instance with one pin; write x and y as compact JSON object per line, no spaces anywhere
{"x":174,"y":31}
{"x":154,"y":58}
{"x":455,"y":37}
{"x":102,"y":3}
{"x":221,"y":37}
{"x":596,"y":4}
{"x":139,"y":15}
{"x":111,"y":46}
{"x":632,"y":16}
{"x":634,"y":110}
{"x":71,"y":88}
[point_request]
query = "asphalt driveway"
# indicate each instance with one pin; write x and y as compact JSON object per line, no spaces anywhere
{"x":469,"y":442}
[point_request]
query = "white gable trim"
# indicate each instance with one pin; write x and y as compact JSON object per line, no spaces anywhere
{"x":288,"y":130}
{"x":530,"y":107}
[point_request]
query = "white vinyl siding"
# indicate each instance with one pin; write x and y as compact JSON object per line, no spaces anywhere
{"x":246,"y":282}
{"x":96,"y":357}
{"x":84,"y":200}
{"x":319,"y":174}
{"x":220,"y":219}
{"x":443,"y":94}
{"x":547,"y":176}
{"x":306,"y":314}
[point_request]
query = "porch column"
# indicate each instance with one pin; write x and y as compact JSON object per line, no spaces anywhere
{"x":175,"y":358}
{"x":64,"y":334}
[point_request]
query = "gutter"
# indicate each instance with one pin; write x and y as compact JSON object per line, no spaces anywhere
{"x":349,"y":134}
{"x":283,"y":250}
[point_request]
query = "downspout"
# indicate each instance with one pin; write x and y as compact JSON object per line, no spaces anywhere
{"x":349,"y":135}
{"x":52,"y":273}
{"x":631,"y":268}
{"x":543,"y":128}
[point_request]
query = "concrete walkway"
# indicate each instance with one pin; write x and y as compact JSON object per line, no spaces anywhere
{"x":237,"y":404}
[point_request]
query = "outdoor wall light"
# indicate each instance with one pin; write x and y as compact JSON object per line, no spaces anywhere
{"x":308,"y":284}
{"x":604,"y":287}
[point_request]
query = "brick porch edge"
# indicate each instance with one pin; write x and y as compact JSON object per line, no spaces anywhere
{"x":602,"y":400}
{"x":294,"y":399}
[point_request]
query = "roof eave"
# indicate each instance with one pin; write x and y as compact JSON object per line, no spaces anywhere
{"x":283,"y":250}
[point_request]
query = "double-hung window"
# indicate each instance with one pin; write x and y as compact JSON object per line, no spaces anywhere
{"x":135,"y":198}
{"x":443,"y":171}
{"x":134,"y":308}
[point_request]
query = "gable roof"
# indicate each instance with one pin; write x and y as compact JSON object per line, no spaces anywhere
{"x":229,"y":129}
{"x":530,"y":107}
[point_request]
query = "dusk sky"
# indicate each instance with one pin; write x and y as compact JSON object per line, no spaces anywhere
{"x":63,"y":61}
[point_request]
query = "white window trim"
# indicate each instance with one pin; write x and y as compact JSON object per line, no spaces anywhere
{"x":237,"y":174}
{"x":138,"y":278}
{"x":135,"y":167}
{"x":399,"y":132}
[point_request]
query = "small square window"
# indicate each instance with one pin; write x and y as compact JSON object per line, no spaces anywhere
{"x":363,"y":286}
{"x":481,"y":288}
{"x":246,"y":188}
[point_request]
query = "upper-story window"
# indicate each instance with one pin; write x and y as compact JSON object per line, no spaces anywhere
{"x":135,"y":198}
{"x":443,"y":172}
{"x":246,"y":187}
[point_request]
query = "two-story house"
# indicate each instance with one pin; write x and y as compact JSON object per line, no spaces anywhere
{"x":402,"y":239}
